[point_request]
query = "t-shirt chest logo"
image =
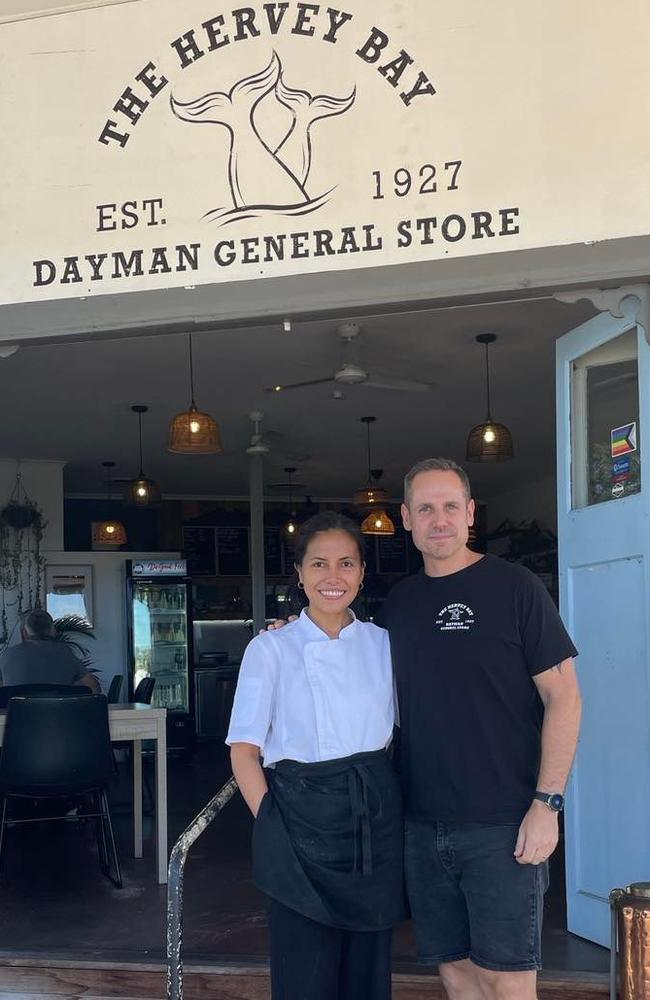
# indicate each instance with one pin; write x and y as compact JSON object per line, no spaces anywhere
{"x":455,"y":618}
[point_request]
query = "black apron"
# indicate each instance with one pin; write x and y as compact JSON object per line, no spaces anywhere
{"x":328,"y":841}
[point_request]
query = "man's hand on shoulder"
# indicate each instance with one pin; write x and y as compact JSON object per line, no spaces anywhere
{"x":278,"y":623}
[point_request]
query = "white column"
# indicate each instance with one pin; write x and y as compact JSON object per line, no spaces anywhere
{"x":257,"y":540}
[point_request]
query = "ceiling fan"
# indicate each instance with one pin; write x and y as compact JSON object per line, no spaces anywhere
{"x":351,"y":373}
{"x":262,"y":442}
{"x":258,"y":445}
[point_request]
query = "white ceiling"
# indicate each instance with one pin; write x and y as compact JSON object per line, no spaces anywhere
{"x":71,"y":400}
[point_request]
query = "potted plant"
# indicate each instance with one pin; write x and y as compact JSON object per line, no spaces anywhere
{"x":69,"y":628}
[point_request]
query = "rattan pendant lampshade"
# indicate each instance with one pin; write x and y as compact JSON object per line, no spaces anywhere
{"x":141,"y":491}
{"x":110,"y":531}
{"x":489,"y":441}
{"x":193,"y":432}
{"x":373,"y":497}
{"x":377,"y":523}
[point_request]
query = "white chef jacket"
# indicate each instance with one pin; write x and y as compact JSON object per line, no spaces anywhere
{"x":303,"y":696}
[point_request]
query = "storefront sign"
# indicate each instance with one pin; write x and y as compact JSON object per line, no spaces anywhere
{"x":157,"y":144}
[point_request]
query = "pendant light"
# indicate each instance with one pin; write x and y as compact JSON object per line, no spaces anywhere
{"x":109,"y":532}
{"x":141,"y":491}
{"x":193,"y":432}
{"x":377,"y":523}
{"x":489,"y":441}
{"x":373,"y":496}
{"x":291,"y":526}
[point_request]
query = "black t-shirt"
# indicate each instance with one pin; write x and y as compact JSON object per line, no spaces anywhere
{"x":465,"y":648}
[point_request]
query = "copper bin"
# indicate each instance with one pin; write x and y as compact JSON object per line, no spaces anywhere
{"x":630,"y":967}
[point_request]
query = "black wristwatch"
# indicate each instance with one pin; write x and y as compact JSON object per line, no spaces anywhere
{"x":554,"y":800}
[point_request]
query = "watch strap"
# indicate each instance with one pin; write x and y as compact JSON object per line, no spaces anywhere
{"x":554,"y":800}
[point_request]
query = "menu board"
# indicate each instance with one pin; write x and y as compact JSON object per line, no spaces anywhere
{"x":199,"y":551}
{"x":224,"y":551}
{"x":288,"y":553}
{"x":272,"y":552}
{"x":392,"y":552}
{"x":232,"y":551}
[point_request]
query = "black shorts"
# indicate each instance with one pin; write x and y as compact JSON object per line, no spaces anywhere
{"x":470,"y":898}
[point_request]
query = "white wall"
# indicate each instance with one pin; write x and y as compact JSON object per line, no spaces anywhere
{"x":43,"y":482}
{"x":109,"y":649}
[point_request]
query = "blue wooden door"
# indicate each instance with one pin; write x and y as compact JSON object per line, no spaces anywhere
{"x":603,"y":430}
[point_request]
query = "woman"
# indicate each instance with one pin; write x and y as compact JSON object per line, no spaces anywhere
{"x":315,"y":700}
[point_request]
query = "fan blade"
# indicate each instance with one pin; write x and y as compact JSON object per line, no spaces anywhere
{"x":298,"y":385}
{"x":404,"y":385}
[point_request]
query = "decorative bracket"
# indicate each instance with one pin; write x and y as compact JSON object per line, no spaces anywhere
{"x":616,"y":301}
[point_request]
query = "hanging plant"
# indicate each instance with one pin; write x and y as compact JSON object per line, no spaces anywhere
{"x":20,"y":515}
{"x":21,"y":563}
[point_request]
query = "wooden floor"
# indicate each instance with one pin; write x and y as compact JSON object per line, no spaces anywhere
{"x":34,"y":980}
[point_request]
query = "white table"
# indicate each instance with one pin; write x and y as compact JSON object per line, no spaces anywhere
{"x":136,"y":723}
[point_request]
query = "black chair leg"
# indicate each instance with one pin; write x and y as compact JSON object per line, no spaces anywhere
{"x":109,"y":837}
{"x":3,"y":818}
{"x":100,"y":832}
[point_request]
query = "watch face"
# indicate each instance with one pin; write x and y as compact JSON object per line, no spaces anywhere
{"x":556,"y":802}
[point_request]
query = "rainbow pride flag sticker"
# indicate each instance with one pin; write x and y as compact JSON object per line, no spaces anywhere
{"x":623,"y":439}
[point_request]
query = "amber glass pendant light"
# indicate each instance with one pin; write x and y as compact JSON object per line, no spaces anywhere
{"x":141,"y":491}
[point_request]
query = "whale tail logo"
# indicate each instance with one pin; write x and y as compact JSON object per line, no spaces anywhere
{"x":264,"y":181}
{"x":218,"y":108}
{"x":295,"y":149}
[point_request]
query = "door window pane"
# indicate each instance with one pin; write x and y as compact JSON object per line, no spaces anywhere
{"x":605,"y":423}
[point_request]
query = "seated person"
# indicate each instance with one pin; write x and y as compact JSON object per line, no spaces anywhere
{"x":41,"y":658}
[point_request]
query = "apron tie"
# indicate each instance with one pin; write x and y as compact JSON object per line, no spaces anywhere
{"x":360,"y":782}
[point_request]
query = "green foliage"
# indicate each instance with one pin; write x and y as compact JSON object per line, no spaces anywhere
{"x":68,"y":628}
{"x":21,"y":561}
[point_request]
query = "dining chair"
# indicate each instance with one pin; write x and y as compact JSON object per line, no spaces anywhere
{"x":142,"y":696}
{"x":113,"y":693}
{"x":60,"y":748}
{"x":144,"y":690}
{"x":41,"y":691}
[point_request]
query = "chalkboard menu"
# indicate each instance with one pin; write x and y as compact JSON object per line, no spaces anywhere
{"x":199,"y":551}
{"x":272,"y":552}
{"x":392,"y":552}
{"x":224,"y":551}
{"x":288,"y":553}
{"x":232,"y":551}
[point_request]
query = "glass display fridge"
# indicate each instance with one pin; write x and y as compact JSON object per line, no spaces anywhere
{"x":159,"y":624}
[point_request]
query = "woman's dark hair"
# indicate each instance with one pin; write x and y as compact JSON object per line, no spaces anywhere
{"x":328,"y":520}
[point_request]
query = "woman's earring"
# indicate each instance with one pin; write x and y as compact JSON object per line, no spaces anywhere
{"x":301,"y":585}
{"x":361,"y":585}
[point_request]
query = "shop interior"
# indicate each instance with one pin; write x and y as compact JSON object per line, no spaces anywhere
{"x":423,"y":376}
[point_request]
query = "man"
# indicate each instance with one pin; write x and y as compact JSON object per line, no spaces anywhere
{"x":42,"y":659}
{"x":489,"y":713}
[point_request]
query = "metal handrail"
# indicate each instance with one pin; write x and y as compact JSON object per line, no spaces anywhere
{"x":175,"y":873}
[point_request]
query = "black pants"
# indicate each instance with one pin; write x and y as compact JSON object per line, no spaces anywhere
{"x":310,"y":961}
